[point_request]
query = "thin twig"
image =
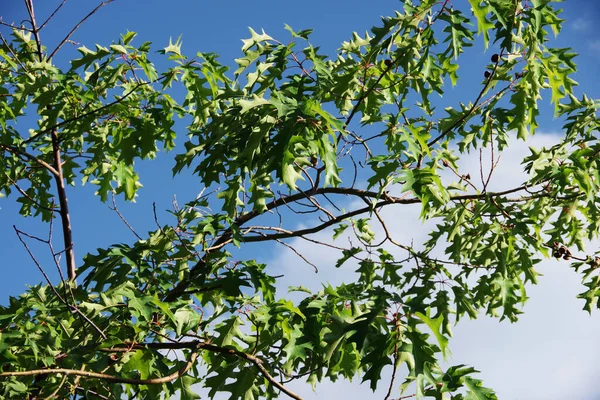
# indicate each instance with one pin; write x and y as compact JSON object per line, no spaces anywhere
{"x":12,"y":52}
{"x":33,"y":158}
{"x":38,"y":265}
{"x":298,"y":254}
{"x":115,"y":209}
{"x":242,"y":219}
{"x":52,"y":15}
{"x":62,"y":42}
{"x":93,"y":393}
{"x":24,"y":193}
{"x":14,"y":26}
{"x":396,"y":348}
{"x":467,"y":114}
{"x":55,"y":392}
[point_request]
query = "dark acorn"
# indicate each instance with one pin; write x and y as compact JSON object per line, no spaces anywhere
{"x":388,"y":62}
{"x":563,"y":250}
{"x":487,"y":74}
{"x":556,"y":254}
{"x":495,"y":58}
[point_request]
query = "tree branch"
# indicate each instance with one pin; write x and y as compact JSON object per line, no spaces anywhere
{"x":215,"y":349}
{"x":182,"y":286}
{"x":107,"y":377}
{"x":194,"y":346}
{"x":33,"y":158}
{"x":64,"y":208}
{"x":34,"y":29}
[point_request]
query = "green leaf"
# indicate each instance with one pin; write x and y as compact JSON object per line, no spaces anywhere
{"x":185,"y":388}
{"x":480,"y":11}
{"x":436,"y":327}
{"x":476,"y":391}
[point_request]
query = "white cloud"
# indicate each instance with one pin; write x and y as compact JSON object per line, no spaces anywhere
{"x":552,"y":352}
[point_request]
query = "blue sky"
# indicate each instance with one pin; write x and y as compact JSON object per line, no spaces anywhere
{"x":218,"y":27}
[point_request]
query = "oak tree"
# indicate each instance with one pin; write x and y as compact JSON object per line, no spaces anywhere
{"x":290,"y":132}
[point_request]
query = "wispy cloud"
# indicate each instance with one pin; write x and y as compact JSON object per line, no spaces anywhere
{"x":581,"y":24}
{"x":595,"y":46}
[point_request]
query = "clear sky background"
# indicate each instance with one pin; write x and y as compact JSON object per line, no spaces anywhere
{"x":553,"y":352}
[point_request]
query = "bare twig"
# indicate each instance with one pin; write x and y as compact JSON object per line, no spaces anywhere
{"x":461,"y":177}
{"x":62,"y":42}
{"x":494,"y":162}
{"x":55,"y":392}
{"x":115,"y":209}
{"x":298,"y":254}
{"x":93,"y":393}
{"x":24,"y":193}
{"x":38,"y":265}
{"x":14,"y":26}
{"x":52,"y":15}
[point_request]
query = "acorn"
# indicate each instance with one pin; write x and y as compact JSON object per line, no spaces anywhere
{"x":487,"y":74}
{"x":556,"y":254}
{"x":563,"y":250}
{"x":388,"y":62}
{"x":567,"y":257}
{"x":495,"y":58}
